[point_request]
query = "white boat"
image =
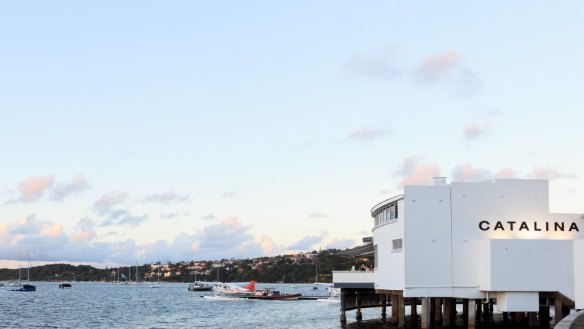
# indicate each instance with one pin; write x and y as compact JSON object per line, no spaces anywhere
{"x":330,"y":300}
{"x":222,"y":298}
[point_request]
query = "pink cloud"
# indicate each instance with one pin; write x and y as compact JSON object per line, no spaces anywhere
{"x":473,"y":131}
{"x":266,"y":243}
{"x":506,"y":173}
{"x":52,"y":230}
{"x":367,"y":134}
{"x":435,"y":66}
{"x":547,"y":172}
{"x":467,"y":172}
{"x":415,"y":172}
{"x":33,"y":188}
{"x":86,"y":236}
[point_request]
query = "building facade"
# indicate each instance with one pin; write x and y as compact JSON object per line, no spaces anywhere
{"x":488,"y":240}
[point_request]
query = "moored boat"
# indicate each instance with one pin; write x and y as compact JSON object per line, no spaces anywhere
{"x":25,"y":287}
{"x":269,"y":294}
{"x":65,"y":285}
{"x":198,"y":286}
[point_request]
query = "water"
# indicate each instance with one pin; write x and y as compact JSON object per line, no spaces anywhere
{"x":104,"y":305}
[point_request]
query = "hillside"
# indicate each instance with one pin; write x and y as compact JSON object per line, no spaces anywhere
{"x":299,"y":268}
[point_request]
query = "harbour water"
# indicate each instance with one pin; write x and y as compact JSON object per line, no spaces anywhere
{"x":105,"y":305}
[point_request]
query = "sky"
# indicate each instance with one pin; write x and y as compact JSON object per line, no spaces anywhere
{"x":142,"y":131}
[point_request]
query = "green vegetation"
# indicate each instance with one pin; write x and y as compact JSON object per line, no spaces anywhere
{"x":301,"y":268}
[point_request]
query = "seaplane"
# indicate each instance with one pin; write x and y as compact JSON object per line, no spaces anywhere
{"x":229,"y":291}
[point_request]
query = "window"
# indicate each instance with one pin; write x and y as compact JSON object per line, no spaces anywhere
{"x":397,"y":244}
{"x":375,"y":256}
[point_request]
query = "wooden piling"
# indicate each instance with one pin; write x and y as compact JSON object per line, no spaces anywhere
{"x":472,"y":313}
{"x":425,"y":302}
{"x":343,"y":317}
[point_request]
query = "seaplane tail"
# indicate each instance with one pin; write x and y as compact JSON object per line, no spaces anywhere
{"x":250,"y":286}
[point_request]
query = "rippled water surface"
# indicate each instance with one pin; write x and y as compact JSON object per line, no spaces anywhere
{"x":104,"y":305}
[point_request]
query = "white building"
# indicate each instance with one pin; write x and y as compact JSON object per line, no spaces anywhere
{"x":493,"y":240}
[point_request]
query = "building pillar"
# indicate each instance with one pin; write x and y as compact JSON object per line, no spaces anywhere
{"x":465,"y":309}
{"x":438,"y":310}
{"x":532,"y":319}
{"x":358,"y":315}
{"x":343,"y":317}
{"x":383,"y":306}
{"x":414,"y":308}
{"x":544,"y":314}
{"x":558,"y":310}
{"x":425,"y":323}
{"x":448,"y":314}
{"x":402,"y":312}
{"x":479,"y":308}
{"x":471,"y":323}
{"x":394,"y":309}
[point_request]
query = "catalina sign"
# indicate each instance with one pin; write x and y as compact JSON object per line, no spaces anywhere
{"x":486,"y":225}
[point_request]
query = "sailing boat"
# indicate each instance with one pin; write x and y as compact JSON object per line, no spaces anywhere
{"x":26,"y":286}
{"x":157,"y":283}
{"x":316,"y":278}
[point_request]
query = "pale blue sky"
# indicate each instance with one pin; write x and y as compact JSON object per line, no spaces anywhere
{"x":143,"y":130}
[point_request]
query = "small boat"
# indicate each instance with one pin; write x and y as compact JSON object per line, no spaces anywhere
{"x":269,"y":294}
{"x":222,"y":298}
{"x":25,"y":287}
{"x":197,"y":286}
{"x":65,"y":285}
{"x":330,"y":300}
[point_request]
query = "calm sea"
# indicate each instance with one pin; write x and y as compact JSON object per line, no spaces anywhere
{"x":104,"y":305}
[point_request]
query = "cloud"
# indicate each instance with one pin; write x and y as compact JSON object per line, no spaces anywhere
{"x":168,"y":197}
{"x":61,"y":191}
{"x":107,"y":201}
{"x":547,"y":172}
{"x":266,"y":244}
{"x":106,"y":208}
{"x":473,"y":131}
{"x":467,"y":83}
{"x":307,"y":243}
{"x":32,"y":188}
{"x":506,"y":173}
{"x":48,"y":241}
{"x":170,"y":215}
{"x":367,"y":134}
{"x":436,"y":66}
{"x":208,"y":217}
{"x":317,"y":215}
{"x":229,"y":194}
{"x":341,"y":244}
{"x":376,"y":64}
{"x":467,"y":172}
{"x":415,"y":172}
